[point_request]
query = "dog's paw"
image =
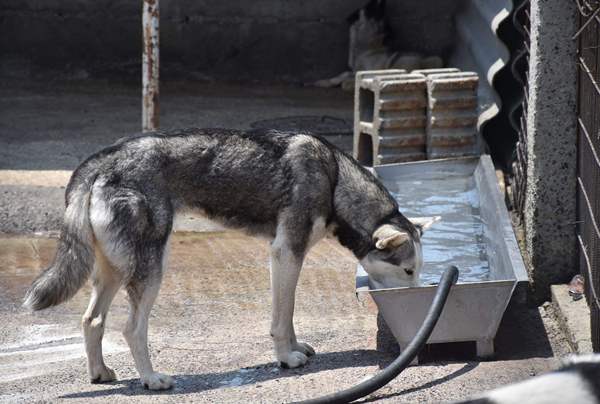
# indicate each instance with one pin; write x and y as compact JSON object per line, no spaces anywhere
{"x":293,"y":360}
{"x":157,"y":381}
{"x":102,"y":375}
{"x":304,"y":348}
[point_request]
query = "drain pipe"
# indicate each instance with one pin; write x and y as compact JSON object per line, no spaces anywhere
{"x":449,"y":278}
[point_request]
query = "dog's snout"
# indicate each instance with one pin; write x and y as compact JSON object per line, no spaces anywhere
{"x":409,"y":271}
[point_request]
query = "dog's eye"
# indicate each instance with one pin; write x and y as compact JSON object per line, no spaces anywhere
{"x":409,"y":271}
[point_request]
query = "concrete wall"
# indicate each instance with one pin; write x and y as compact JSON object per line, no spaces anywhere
{"x":425,"y":26}
{"x":550,"y":204}
{"x":294,"y":40}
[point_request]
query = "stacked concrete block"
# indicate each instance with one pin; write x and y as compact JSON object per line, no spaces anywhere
{"x":452,"y":114}
{"x":390,"y":117}
{"x":429,"y":113}
{"x":427,"y":72}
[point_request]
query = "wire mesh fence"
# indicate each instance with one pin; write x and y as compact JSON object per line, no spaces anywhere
{"x":588,"y":164}
{"x":520,"y":70}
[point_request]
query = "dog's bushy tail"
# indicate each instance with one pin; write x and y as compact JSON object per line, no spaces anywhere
{"x":74,"y":257}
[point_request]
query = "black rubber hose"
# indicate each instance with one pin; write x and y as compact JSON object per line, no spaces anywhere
{"x":449,"y":278}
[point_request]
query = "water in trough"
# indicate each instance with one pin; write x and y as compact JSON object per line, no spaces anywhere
{"x":458,"y":238}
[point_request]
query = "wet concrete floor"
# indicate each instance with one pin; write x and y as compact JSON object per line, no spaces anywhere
{"x":210,"y":329}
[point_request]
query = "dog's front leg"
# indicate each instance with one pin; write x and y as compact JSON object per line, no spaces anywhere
{"x":285,"y":269}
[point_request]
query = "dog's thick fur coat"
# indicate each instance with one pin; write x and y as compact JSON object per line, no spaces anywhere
{"x":289,"y":188}
{"x":577,"y":381}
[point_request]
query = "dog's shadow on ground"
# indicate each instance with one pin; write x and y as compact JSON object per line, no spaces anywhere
{"x":197,"y":383}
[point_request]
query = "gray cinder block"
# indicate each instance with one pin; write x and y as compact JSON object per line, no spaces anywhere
{"x":452,"y":115}
{"x":427,"y":72}
{"x":389,"y":117}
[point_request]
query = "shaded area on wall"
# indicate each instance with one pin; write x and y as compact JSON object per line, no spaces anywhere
{"x":271,"y":40}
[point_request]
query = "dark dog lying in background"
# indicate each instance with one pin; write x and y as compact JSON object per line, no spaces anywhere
{"x":368,"y":49}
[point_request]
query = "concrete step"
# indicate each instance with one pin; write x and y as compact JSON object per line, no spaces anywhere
{"x":573,"y":318}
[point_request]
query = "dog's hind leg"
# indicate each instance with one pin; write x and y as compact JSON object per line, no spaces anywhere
{"x":142,"y":293}
{"x":105,"y":286}
{"x":132,"y":230}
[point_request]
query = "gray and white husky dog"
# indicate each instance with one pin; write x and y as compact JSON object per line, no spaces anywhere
{"x":577,"y":382}
{"x":290,"y":188}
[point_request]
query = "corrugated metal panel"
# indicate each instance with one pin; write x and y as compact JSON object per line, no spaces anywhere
{"x":484,"y":30}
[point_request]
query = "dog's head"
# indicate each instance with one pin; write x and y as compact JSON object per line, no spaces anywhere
{"x":396,"y":257}
{"x":368,"y":29}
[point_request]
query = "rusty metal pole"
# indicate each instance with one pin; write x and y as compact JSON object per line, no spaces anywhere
{"x":150,"y":59}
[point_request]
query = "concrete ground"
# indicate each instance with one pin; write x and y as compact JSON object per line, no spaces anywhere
{"x":210,"y":325}
{"x":55,"y":125}
{"x":210,"y":329}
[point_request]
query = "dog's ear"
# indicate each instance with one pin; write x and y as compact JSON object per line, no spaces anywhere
{"x":424,"y":223}
{"x":362,"y":16}
{"x":387,"y":236}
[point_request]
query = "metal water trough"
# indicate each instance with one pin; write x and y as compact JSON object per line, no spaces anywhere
{"x":473,"y":310}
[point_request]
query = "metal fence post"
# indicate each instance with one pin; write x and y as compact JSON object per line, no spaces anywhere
{"x":150,"y":62}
